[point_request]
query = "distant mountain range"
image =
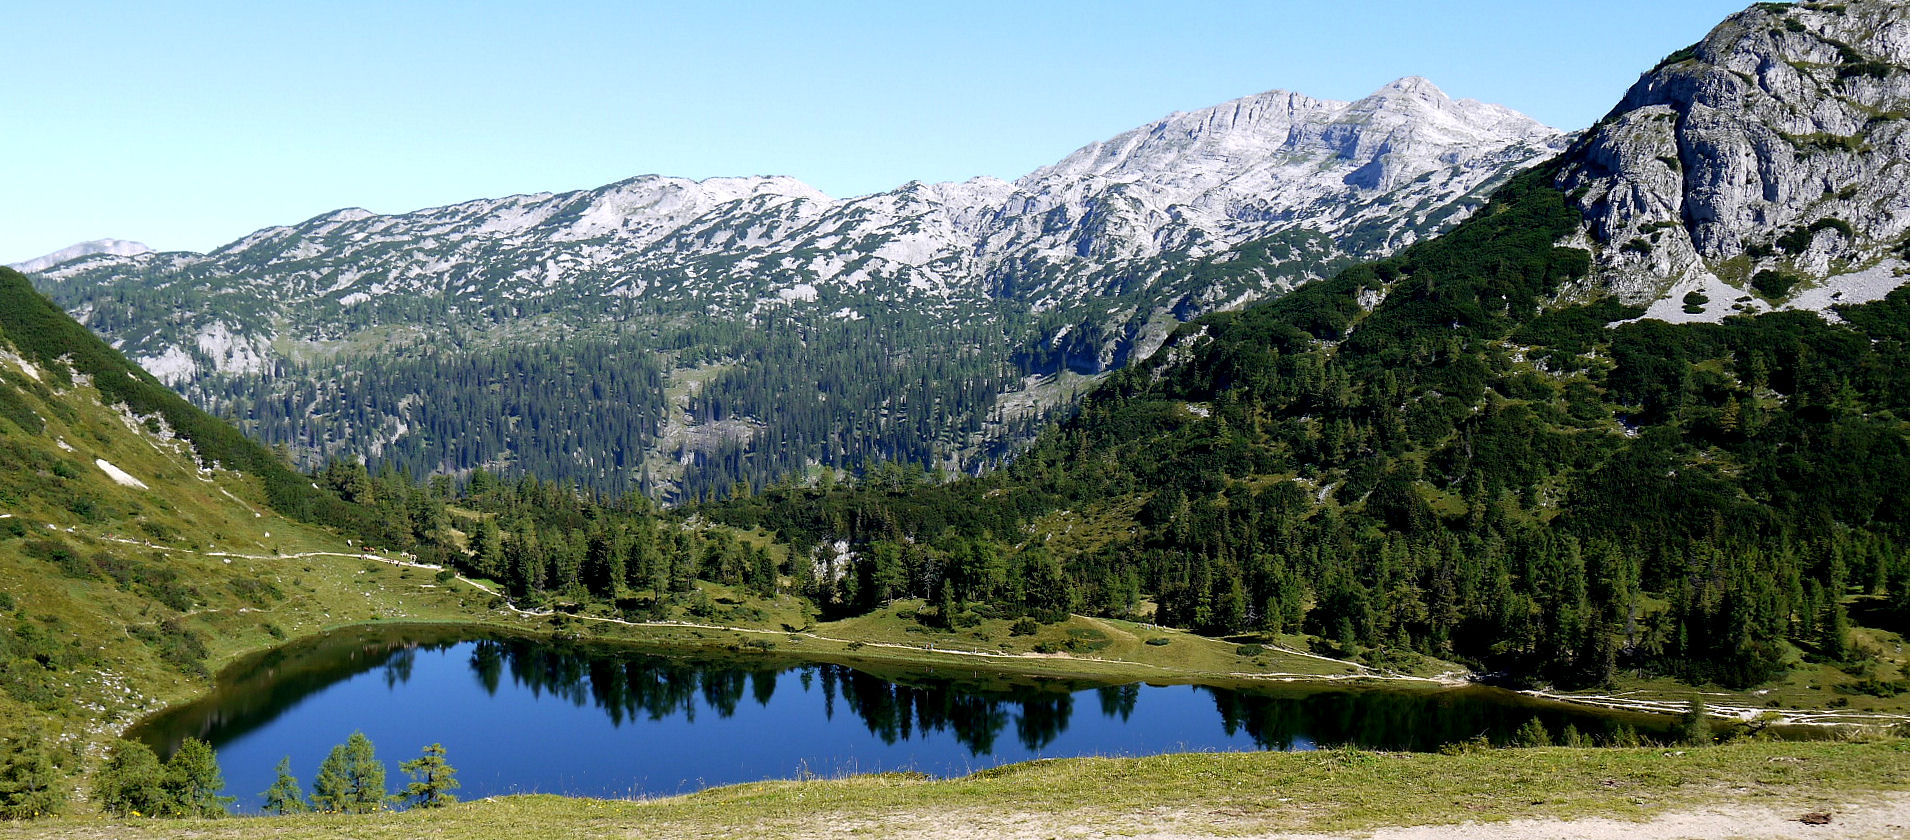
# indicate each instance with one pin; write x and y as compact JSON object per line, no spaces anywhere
{"x":1074,"y":268}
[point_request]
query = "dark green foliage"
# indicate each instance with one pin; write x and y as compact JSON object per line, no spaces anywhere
{"x":1571,"y":737}
{"x":1531,"y":734}
{"x":1833,"y":642}
{"x":31,"y":784}
{"x":432,"y":780}
{"x":192,"y":782}
{"x":131,"y":783}
{"x":351,"y":780}
{"x":1833,"y":223}
{"x":1774,"y":284}
{"x":1679,"y":57}
{"x":285,"y":796}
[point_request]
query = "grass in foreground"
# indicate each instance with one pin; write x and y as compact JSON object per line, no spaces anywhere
{"x":1217,"y":793}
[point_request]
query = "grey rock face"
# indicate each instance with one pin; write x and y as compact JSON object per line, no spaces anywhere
{"x":1775,"y":146}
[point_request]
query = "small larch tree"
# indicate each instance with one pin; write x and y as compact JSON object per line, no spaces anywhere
{"x":351,"y":780}
{"x":285,"y":796}
{"x":432,"y":779}
{"x":131,"y":783}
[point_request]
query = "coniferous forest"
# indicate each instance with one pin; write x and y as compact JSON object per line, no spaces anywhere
{"x":1457,"y":472}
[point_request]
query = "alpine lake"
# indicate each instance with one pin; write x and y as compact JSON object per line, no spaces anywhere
{"x":521,"y":714}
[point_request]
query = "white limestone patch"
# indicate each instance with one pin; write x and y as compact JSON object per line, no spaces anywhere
{"x":1871,"y":284}
{"x":172,"y":367}
{"x":230,"y":352}
{"x":1722,"y":301}
{"x":25,"y":366}
{"x":119,"y":475}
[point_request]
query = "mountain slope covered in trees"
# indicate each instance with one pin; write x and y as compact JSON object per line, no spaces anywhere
{"x":1469,"y":450}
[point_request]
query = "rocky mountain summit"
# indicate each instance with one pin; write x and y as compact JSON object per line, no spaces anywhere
{"x":1765,"y":166}
{"x":1361,"y":178}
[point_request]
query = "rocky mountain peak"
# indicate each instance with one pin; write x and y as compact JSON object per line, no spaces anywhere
{"x":1765,"y":166}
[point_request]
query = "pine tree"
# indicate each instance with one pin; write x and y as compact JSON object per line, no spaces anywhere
{"x":30,"y":782}
{"x":285,"y":796}
{"x":351,"y":780}
{"x":131,"y":783}
{"x":432,"y":779}
{"x":193,"y":781}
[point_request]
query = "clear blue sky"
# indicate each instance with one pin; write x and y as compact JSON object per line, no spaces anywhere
{"x":188,"y":125}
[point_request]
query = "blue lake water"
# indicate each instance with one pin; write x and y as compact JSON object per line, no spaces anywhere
{"x":521,"y":715}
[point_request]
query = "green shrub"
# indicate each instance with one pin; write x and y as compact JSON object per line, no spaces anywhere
{"x":1774,"y":284}
{"x":1532,"y":734}
{"x":176,"y":644}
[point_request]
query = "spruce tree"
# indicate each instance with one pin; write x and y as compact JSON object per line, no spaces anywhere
{"x":30,"y":782}
{"x":285,"y":796}
{"x":1834,"y":639}
{"x":193,"y":781}
{"x":351,"y":780}
{"x":131,"y":783}
{"x":432,"y":779}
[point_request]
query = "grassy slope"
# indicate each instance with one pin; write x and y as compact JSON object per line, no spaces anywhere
{"x":1223,"y":793}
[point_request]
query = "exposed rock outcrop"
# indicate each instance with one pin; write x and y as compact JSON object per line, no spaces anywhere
{"x":1767,"y":165}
